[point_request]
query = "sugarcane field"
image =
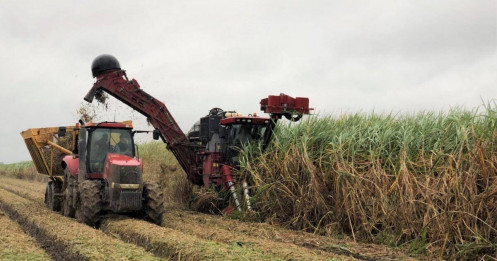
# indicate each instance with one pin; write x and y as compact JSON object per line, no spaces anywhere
{"x":248,"y":130}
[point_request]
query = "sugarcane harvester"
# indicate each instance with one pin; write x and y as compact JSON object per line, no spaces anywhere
{"x":93,"y":170}
{"x":209,"y":152}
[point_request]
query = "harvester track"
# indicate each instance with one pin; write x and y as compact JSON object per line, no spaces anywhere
{"x":192,"y":235}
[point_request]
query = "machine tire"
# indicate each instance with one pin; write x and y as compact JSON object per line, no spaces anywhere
{"x":52,"y":202}
{"x":90,"y":203}
{"x":68,"y":209}
{"x":153,"y":202}
{"x":49,"y":195}
{"x":57,"y":200}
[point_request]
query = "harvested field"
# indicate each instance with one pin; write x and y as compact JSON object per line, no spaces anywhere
{"x":177,"y":245}
{"x":36,"y":188}
{"x":226,"y":230}
{"x":66,"y":239}
{"x":17,"y":245}
{"x":36,"y":196}
{"x":191,"y":235}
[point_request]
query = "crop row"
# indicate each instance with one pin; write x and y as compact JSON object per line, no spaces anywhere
{"x":168,"y":242}
{"x":193,"y":238}
{"x":163,"y":242}
{"x":68,"y":238}
{"x":271,"y":240}
{"x":17,"y":245}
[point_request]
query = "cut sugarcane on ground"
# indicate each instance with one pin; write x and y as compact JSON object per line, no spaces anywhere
{"x":193,"y":235}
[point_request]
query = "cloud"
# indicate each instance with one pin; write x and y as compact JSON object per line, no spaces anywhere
{"x":347,"y":56}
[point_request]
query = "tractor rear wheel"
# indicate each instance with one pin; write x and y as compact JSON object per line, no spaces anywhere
{"x":90,"y":203}
{"x":49,"y":195}
{"x":52,"y":201}
{"x":68,"y":209}
{"x":153,"y":204}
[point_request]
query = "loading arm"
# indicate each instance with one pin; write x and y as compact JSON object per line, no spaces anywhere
{"x":116,"y":83}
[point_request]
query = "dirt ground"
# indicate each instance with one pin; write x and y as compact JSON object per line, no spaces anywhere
{"x":184,"y":234}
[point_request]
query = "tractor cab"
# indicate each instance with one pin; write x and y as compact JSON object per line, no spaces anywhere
{"x":105,"y":139}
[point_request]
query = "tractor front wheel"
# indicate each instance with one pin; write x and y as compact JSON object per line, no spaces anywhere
{"x":153,"y":203}
{"x":90,"y":203}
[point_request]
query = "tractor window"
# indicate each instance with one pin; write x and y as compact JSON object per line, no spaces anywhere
{"x":245,"y":133}
{"x":107,"y":140}
{"x":242,"y":134}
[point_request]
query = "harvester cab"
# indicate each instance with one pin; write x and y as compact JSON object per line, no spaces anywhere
{"x":225,"y":132}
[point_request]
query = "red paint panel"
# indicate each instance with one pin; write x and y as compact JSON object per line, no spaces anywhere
{"x":72,"y":164}
{"x":284,"y":103}
{"x":120,"y":160}
{"x":95,"y":176}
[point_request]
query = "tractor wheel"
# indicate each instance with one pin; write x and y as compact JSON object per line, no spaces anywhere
{"x":90,"y":203}
{"x":49,"y":195}
{"x":68,"y":210}
{"x":51,"y":201}
{"x":69,"y":193}
{"x":153,"y":204}
{"x":57,"y":196}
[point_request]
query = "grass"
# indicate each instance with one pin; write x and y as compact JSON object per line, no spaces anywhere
{"x":428,"y":180}
{"x":21,"y":170}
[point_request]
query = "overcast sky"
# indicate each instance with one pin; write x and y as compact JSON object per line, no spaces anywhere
{"x":346,"y":56}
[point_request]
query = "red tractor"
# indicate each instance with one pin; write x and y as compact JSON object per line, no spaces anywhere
{"x":99,"y":174}
{"x":209,"y":153}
